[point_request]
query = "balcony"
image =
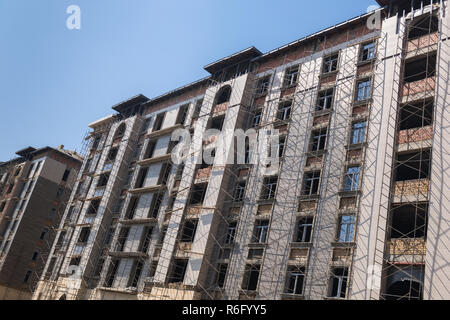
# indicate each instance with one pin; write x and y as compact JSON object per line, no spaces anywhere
{"x":202,"y":175}
{"x":422,"y":44}
{"x":415,"y":138}
{"x":407,"y":250}
{"x":411,"y":190}
{"x":221,"y":108}
{"x":411,"y":90}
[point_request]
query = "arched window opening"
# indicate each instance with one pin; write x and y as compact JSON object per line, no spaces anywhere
{"x":423,"y":26}
{"x":120,"y":132}
{"x":223,"y":95}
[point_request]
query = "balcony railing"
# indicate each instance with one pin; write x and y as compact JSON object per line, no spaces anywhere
{"x":203,"y":174}
{"x":407,"y":250}
{"x":415,"y":135}
{"x":411,"y":190}
{"x":221,"y":107}
{"x":422,"y":42}
{"x":420,"y":86}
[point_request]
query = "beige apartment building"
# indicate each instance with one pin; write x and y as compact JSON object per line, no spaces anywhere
{"x":355,"y":208}
{"x":34,"y":189}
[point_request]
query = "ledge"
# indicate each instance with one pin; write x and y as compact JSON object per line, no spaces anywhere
{"x":138,"y":221}
{"x":164,"y":131}
{"x":149,"y":161}
{"x":147,"y":189}
{"x":122,"y":254}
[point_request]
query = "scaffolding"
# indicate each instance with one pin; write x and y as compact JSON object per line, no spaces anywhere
{"x":312,"y":182}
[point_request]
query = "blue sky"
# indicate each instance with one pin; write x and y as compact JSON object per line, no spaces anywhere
{"x":55,"y":81}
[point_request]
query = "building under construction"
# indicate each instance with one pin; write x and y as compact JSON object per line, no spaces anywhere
{"x":34,"y":189}
{"x":356,"y":207}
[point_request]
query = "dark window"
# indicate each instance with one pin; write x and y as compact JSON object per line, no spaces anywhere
{"x":304,"y":230}
{"x":325,"y":100}
{"x":166,"y":169}
{"x":43,"y":234}
{"x":338,"y":283}
{"x":146,"y":238}
{"x":121,"y":240}
{"x":284,"y":111}
{"x":140,"y":182}
{"x":420,"y":69}
{"x":110,"y":276}
{"x":318,"y":140}
{"x":269,"y":188}
{"x":231,"y":232}
{"x":223,"y":95}
{"x":120,"y":131}
{"x":182,"y":114}
{"x":251,"y":277}
{"x":178,"y":271}
{"x":188,"y":232}
{"x":291,"y":76}
{"x":2,"y":206}
{"x":84,"y":235}
{"x":112,"y":154}
{"x":239,"y":192}
{"x":358,"y":132}
{"x":281,"y":146}
{"x":413,"y":166}
{"x":146,"y":125}
{"x":150,"y":149}
{"x":294,"y":280}
{"x":416,"y":115}
{"x":423,"y":26}
{"x":263,"y":85}
{"x":135,"y":274}
{"x":10,"y":187}
{"x":217,"y":123}
{"x":311,"y":183}
{"x":330,"y":64}
{"x":93,"y":207}
{"x":198,"y":194}
{"x":74,"y":261}
{"x":221,"y":274}
{"x":132,"y":208}
{"x":409,"y":221}
{"x":346,"y":228}
{"x":156,"y":204}
{"x":260,"y":231}
{"x":35,"y":256}
{"x":159,"y":122}
{"x":103,"y":180}
{"x":368,"y":51}
{"x":66,"y":175}
{"x":27,"y":276}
